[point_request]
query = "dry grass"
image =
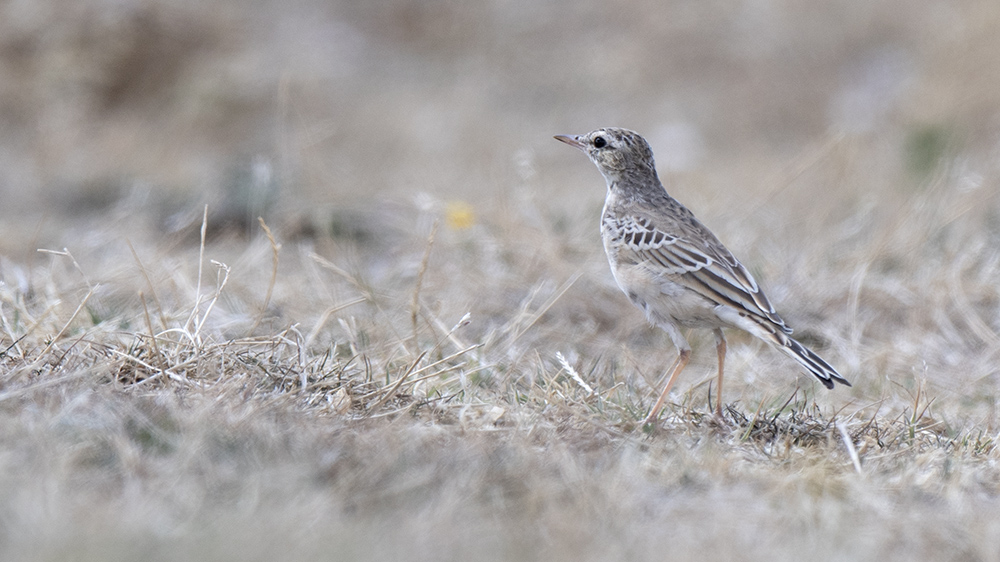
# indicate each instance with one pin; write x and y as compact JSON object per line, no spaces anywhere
{"x":422,"y":354}
{"x":143,"y":418}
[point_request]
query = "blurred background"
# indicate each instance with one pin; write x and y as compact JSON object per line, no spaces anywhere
{"x":316,"y":102}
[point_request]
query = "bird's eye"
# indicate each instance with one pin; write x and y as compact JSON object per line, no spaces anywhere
{"x":599,"y":142}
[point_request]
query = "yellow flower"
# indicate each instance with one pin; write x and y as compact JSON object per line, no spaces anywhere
{"x":459,"y":215}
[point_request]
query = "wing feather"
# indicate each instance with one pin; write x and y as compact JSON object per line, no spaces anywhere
{"x":698,"y":260}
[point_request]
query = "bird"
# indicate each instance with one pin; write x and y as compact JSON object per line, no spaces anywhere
{"x":673,"y":268}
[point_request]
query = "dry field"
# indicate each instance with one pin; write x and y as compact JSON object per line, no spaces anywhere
{"x":419,"y":352}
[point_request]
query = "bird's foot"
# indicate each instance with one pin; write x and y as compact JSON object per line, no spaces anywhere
{"x":718,"y":418}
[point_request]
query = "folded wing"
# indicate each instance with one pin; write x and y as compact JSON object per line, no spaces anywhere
{"x":692,"y":256}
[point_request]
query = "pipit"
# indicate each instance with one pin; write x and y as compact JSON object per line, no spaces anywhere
{"x":673,"y":268}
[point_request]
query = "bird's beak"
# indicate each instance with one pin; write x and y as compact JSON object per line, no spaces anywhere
{"x":573,"y":141}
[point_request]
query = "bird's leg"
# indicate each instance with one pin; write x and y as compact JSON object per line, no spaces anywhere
{"x":679,"y":364}
{"x":720,"y":348}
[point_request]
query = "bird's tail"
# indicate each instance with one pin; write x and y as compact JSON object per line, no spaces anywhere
{"x":775,"y":333}
{"x":812,"y":362}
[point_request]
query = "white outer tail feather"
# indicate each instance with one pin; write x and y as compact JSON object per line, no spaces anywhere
{"x":812,"y":362}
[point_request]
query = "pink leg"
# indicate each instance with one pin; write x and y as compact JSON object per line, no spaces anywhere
{"x":720,"y":348}
{"x":679,"y":364}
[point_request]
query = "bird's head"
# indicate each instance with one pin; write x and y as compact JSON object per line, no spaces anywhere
{"x":618,"y":153}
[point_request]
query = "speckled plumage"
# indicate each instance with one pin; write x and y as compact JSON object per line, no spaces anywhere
{"x":672,"y":267}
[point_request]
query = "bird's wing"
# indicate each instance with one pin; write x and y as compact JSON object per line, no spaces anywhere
{"x":692,"y":256}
